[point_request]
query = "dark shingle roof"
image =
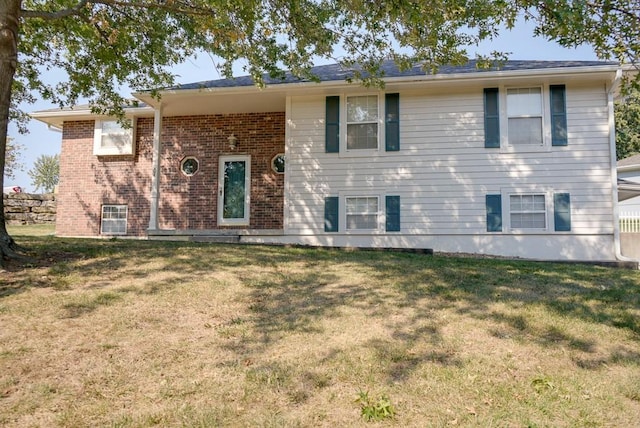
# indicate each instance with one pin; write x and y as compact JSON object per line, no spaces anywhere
{"x":334,"y":72}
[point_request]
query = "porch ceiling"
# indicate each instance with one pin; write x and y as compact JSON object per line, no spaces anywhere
{"x":209,"y":102}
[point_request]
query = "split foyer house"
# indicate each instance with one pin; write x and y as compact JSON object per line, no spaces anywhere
{"x":517,"y":161}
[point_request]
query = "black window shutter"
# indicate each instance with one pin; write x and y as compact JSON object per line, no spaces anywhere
{"x":332,"y":125}
{"x":562,"y":212}
{"x":558,"y":115}
{"x":494,"y":213}
{"x":392,"y":207}
{"x":331,"y":214}
{"x":491,"y":118}
{"x":392,"y":122}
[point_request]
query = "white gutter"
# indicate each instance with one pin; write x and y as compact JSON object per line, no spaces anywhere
{"x":614,"y":172}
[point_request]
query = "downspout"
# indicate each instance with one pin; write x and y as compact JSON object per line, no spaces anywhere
{"x":614,"y":165}
{"x":155,"y":177}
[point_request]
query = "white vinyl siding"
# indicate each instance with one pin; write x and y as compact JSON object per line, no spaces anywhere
{"x":443,"y":171}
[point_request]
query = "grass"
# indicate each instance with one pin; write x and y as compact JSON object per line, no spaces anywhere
{"x":31,"y":229}
{"x":138,"y":334}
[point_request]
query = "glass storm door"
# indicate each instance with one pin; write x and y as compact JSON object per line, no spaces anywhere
{"x":234,"y":190}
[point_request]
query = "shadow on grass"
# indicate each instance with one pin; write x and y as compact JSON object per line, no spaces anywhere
{"x":283,"y":301}
{"x":470,"y":287}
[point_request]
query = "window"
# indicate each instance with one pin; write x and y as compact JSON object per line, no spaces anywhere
{"x":189,"y":166}
{"x":373,"y":212}
{"x":362,"y":122}
{"x":528,"y":211}
{"x":362,"y":212}
{"x":358,"y":125}
{"x":111,"y":138}
{"x":524,"y":113}
{"x":114,"y":220}
{"x":525,"y":119}
{"x":277,"y":163}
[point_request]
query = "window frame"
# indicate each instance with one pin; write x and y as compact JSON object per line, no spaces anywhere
{"x":273,"y":163}
{"x":548,"y":210}
{"x":344,"y":124}
{"x":381,"y":213}
{"x":187,"y":159}
{"x":533,"y":211}
{"x":126,"y":219}
{"x":127,"y":149}
{"x":505,"y":145}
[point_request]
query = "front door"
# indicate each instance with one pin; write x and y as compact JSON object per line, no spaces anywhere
{"x":234,"y":190}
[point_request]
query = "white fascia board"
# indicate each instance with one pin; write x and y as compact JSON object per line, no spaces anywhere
{"x":55,"y":118}
{"x":626,"y":168}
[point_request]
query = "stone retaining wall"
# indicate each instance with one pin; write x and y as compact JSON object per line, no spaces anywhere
{"x":28,"y":208}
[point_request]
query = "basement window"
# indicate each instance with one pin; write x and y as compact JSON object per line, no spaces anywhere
{"x":114,"y":220}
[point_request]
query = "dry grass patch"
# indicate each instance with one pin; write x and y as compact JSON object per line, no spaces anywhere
{"x":137,"y":334}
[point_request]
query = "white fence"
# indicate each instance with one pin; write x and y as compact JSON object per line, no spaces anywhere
{"x":629,"y":222}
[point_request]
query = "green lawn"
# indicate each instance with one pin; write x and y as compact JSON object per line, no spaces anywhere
{"x":136,"y":333}
{"x":31,"y":229}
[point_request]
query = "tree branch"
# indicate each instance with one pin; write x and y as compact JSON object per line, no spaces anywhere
{"x":179,"y":7}
{"x":54,"y":15}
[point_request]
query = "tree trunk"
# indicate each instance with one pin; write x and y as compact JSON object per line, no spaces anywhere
{"x":9,"y":23}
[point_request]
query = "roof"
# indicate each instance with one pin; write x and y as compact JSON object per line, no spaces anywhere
{"x":630,"y":162}
{"x":240,"y":95}
{"x":335,"y":72}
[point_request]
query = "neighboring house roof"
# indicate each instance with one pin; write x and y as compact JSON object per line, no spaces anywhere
{"x":628,"y":189}
{"x":630,"y":163}
{"x":389,"y":69}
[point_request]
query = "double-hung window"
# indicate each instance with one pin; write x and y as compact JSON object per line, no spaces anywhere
{"x":362,"y":212}
{"x":362,"y":125}
{"x":526,"y":118}
{"x":362,"y":122}
{"x":528,"y":211}
{"x":524,"y":115}
{"x":111,"y":138}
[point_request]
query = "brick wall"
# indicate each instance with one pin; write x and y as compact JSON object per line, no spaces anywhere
{"x":87,"y":181}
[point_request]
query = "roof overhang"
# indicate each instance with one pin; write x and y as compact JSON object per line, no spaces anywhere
{"x":252,"y":99}
{"x":55,"y":118}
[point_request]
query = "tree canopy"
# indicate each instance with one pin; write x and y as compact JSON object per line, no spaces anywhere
{"x":101,"y":45}
{"x":13,"y":152}
{"x":45,"y":173}
{"x":627,"y":111}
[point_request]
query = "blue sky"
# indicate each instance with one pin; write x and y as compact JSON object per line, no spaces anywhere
{"x":520,"y":42}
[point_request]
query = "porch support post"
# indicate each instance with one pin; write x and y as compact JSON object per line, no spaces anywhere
{"x":155,"y":177}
